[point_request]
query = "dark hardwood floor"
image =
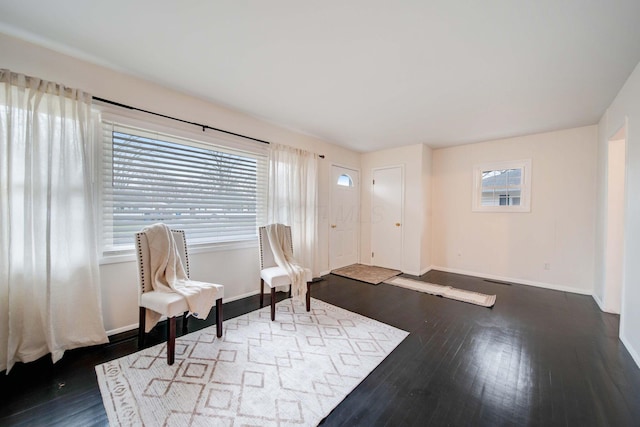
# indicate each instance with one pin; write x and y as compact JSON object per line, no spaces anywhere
{"x":538,"y":357}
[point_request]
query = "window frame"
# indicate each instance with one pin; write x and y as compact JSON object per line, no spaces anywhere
{"x":177,"y":130}
{"x":525,"y":186}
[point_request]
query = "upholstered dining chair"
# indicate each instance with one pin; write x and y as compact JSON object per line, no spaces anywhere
{"x":169,"y":304}
{"x":275,"y":276}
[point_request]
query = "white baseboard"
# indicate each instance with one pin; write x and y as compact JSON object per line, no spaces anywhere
{"x":602,"y":305}
{"x":599,"y":302}
{"x":122,"y":329}
{"x":630,"y":349}
{"x":515,"y":280}
{"x":237,"y":297}
{"x":135,"y":325}
{"x":426,"y":270}
{"x":418,"y":273}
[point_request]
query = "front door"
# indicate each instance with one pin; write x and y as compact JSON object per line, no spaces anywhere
{"x":345,"y":217}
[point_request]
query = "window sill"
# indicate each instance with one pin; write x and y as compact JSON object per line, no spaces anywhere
{"x":502,"y":209}
{"x":130,"y":255}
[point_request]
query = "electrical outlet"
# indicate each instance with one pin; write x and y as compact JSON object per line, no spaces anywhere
{"x":547,"y":266}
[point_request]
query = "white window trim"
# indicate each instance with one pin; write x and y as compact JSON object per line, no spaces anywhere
{"x":525,"y":189}
{"x":129,"y":255}
{"x":166,"y":126}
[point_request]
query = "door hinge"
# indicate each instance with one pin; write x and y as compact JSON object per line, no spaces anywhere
{"x":374,"y":182}
{"x":371,"y":254}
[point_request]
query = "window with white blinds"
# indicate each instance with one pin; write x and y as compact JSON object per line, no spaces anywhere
{"x":214,"y":193}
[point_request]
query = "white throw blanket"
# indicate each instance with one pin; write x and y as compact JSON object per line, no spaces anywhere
{"x":280,"y":243}
{"x":168,"y":275}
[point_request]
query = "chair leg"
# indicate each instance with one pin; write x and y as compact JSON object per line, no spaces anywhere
{"x":290,"y":287}
{"x":219,"y":317}
{"x":261,"y":293}
{"x":142,"y":326}
{"x":171,"y":340}
{"x":273,"y":304}
{"x":308,"y":296}
{"x":185,"y":322}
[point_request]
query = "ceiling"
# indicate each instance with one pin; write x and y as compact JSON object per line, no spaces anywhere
{"x":364,"y":74}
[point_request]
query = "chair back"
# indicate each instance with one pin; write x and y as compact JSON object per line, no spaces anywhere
{"x":266,"y":254}
{"x":142,"y":251}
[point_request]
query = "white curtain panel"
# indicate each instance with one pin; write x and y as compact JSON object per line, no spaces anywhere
{"x":293,"y":199}
{"x":49,"y":277}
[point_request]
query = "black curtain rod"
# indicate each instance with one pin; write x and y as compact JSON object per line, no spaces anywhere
{"x":129,"y":107}
{"x":200,"y":125}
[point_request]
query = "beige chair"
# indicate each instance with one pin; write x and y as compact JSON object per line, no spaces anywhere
{"x":275,"y":276}
{"x":169,"y":304}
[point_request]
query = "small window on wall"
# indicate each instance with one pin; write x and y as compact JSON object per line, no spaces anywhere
{"x":502,"y":187}
{"x":345,"y":180}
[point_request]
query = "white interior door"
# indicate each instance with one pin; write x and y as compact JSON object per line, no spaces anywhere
{"x":345,"y":217}
{"x":386,"y":217}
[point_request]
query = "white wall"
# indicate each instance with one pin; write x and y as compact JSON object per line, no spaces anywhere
{"x":237,"y":269}
{"x":559,"y":230}
{"x":415,"y":232}
{"x":425,"y":260}
{"x":626,"y":108}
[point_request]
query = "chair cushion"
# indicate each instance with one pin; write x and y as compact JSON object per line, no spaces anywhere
{"x":167,"y":303}
{"x":277,"y":276}
{"x":170,"y":303}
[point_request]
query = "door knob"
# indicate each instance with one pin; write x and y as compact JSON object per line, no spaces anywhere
{"x":397,"y":224}
{"x":333,"y":226}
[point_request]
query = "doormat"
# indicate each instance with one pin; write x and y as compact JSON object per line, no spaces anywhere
{"x":366,"y":273}
{"x":444,"y":291}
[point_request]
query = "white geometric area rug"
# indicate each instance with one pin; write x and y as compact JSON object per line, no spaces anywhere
{"x":290,"y":372}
